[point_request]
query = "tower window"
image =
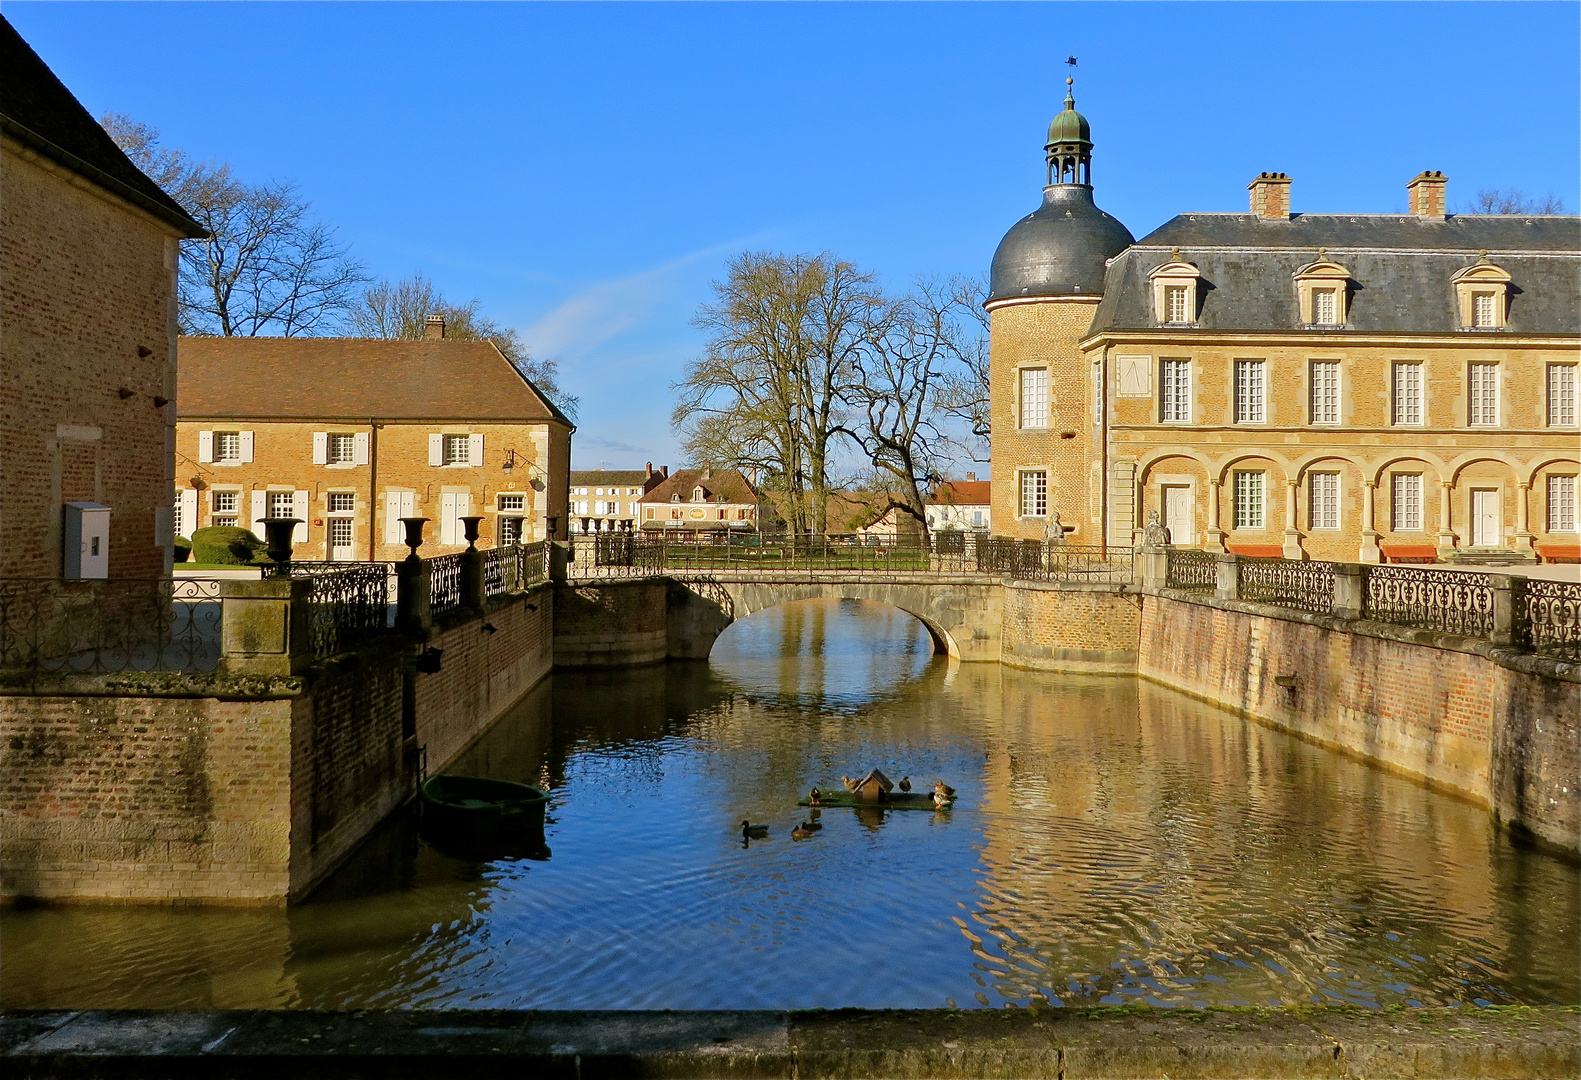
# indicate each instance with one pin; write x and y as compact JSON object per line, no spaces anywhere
{"x":1034,"y":493}
{"x":1034,"y":397}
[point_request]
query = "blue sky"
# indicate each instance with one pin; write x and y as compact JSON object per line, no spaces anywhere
{"x":585,"y":169}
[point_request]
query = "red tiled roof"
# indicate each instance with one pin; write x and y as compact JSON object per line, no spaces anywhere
{"x":726,"y":482}
{"x":961,"y":493}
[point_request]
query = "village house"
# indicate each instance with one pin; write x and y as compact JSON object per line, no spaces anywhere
{"x":88,"y":254}
{"x":350,"y":435}
{"x":609,"y":500}
{"x":700,"y":502}
{"x":1358,"y":387}
{"x":960,"y":504}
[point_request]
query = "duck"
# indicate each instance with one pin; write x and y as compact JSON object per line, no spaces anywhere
{"x":941,"y":788}
{"x":810,"y":826}
{"x":850,"y":785}
{"x":750,"y":831}
{"x":905,"y":783}
{"x":815,"y":797}
{"x":941,"y":801}
{"x":801,"y":832}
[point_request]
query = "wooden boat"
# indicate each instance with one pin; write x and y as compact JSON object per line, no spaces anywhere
{"x":892,"y":800}
{"x":479,"y":806}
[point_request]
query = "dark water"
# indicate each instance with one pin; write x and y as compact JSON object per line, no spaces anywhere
{"x":1113,"y":842}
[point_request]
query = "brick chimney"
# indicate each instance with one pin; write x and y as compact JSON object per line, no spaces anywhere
{"x":664,"y":471}
{"x":971,"y":477}
{"x":1427,"y":193}
{"x":1270,"y":196}
{"x":435,"y":328}
{"x":650,"y":470}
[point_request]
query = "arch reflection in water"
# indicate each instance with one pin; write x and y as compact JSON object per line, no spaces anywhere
{"x":1112,"y":842}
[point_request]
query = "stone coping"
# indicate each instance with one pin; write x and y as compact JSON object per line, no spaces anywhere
{"x":1133,"y":1041}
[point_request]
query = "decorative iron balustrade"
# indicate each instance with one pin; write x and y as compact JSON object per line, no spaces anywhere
{"x":1552,"y":618}
{"x":1187,"y":568}
{"x":1304,"y":586}
{"x":619,"y":555}
{"x":1449,"y":601}
{"x":347,"y":604}
{"x":109,"y":625}
{"x":1073,"y":562}
{"x":444,"y":582}
{"x":514,"y":567}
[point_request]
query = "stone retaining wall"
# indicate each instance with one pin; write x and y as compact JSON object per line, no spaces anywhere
{"x":1070,"y":626}
{"x":613,"y":624}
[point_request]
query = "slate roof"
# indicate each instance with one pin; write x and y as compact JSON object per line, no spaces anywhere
{"x":962,"y":493}
{"x":275,"y":378}
{"x":607,"y":477}
{"x":38,"y":111}
{"x":727,"y":482}
{"x":1400,"y":266}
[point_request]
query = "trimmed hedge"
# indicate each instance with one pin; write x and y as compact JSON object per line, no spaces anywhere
{"x":225,"y":544}
{"x":181,"y":548}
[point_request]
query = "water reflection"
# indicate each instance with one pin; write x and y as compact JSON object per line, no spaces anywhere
{"x":1112,"y":842}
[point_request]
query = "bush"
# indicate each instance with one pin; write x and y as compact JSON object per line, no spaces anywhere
{"x":225,"y":544}
{"x":181,"y":548}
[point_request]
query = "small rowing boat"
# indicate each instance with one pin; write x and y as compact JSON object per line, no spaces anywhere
{"x":481,"y":805}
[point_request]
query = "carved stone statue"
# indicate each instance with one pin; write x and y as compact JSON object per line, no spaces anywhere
{"x":1153,"y":533}
{"x":1054,"y":531}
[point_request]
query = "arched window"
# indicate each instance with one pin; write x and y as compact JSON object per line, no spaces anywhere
{"x":1323,"y":292}
{"x":1482,"y":294}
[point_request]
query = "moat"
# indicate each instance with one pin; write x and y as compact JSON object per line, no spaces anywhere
{"x":1114,"y":842}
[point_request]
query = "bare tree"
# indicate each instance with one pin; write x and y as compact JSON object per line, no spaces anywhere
{"x":400,"y":310}
{"x":1514,"y":201}
{"x":266,"y":266}
{"x":963,"y":391}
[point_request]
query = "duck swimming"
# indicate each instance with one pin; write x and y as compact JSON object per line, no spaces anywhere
{"x":750,"y":831}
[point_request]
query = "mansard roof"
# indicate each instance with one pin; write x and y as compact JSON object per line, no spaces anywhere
{"x":1400,"y":268}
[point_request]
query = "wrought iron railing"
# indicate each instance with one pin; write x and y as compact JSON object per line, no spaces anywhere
{"x":444,"y":582}
{"x":1304,"y":586}
{"x":1187,"y":568}
{"x":1551,"y":618}
{"x":109,"y":625}
{"x":1071,"y":562}
{"x":1450,"y":601}
{"x":514,"y":567}
{"x":347,"y":604}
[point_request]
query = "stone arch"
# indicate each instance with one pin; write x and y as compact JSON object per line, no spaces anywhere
{"x":1334,"y":543}
{"x":1174,"y":467}
{"x":1545,"y":464}
{"x":1267,"y":540}
{"x":1479,"y":472}
{"x":1414,"y":454}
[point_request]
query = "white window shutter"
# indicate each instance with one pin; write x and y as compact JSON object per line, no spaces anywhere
{"x":320,"y":447}
{"x":189,"y":511}
{"x":299,"y":511}
{"x":205,"y":446}
{"x":259,"y":509}
{"x":393,"y":530}
{"x":247,"y":446}
{"x":476,"y":456}
{"x":447,"y":518}
{"x":359,"y":448}
{"x":436,"y":449}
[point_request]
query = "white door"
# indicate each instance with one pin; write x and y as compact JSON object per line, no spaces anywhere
{"x":340,"y":540}
{"x":1179,"y":514}
{"x":1485,"y":524}
{"x":453,"y":506}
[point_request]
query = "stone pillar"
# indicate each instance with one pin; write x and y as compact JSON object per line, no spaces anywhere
{"x":1228,"y":582}
{"x":1292,"y":548}
{"x":1509,"y":603}
{"x":1350,"y":590}
{"x":1151,"y":569}
{"x":1525,"y":539}
{"x":472,"y":585}
{"x":1370,"y":552}
{"x":264,"y":626}
{"x":1446,"y":532}
{"x":559,"y":556}
{"x":1214,"y":533}
{"x":412,"y":614}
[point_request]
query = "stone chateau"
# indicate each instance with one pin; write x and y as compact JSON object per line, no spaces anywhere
{"x":1366,"y":387}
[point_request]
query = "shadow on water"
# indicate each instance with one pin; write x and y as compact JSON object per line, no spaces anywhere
{"x":1113,"y":842}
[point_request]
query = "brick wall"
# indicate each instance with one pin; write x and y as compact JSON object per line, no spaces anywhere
{"x":610,"y":625}
{"x":88,"y":281}
{"x":1069,"y":627}
{"x":1493,"y":733}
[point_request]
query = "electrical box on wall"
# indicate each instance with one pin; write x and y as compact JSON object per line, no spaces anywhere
{"x":86,"y":540}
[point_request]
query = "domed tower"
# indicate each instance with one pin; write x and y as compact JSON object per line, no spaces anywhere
{"x":1046,"y":281}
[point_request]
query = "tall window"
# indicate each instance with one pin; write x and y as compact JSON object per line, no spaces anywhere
{"x":1325,"y":307}
{"x":1561,"y":395}
{"x":1325,"y":500}
{"x":1248,"y":487}
{"x":1249,"y":392}
{"x":1484,"y":312}
{"x":510,"y":530}
{"x":1177,"y":304}
{"x":339,"y":532}
{"x":1034,"y":493}
{"x":1408,"y":393}
{"x":281,"y":504}
{"x":1174,"y":390}
{"x":1484,"y":387}
{"x":1405,"y":502}
{"x":1034,"y":397}
{"x":1561,"y":504}
{"x":342,"y":502}
{"x":339,"y":449}
{"x":227,"y":446}
{"x":458,"y":450}
{"x":1325,"y":391}
{"x":225,"y":504}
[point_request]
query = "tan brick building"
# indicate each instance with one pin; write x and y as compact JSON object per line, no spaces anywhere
{"x":1357,"y":386}
{"x":351,"y":435}
{"x":88,"y":250}
{"x":701,"y":501}
{"x":609,"y":500}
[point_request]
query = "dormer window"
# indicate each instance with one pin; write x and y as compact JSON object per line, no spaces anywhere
{"x":676,"y":497}
{"x":1175,"y":291}
{"x":1482,"y":295}
{"x":1323,"y":292}
{"x":698,"y":495}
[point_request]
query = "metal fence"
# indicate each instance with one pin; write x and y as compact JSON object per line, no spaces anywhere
{"x":347,"y":604}
{"x":1304,"y":586}
{"x":1552,"y":618}
{"x":444,"y":582}
{"x":514,"y":567}
{"x":1189,"y":569}
{"x":1450,"y":601}
{"x":109,"y":625}
{"x":632,"y":555}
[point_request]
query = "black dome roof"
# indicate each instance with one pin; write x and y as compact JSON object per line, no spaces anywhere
{"x":1059,"y":249}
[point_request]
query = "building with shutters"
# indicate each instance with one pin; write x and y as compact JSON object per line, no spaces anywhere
{"x":350,"y":435}
{"x":1358,"y":387}
{"x":698,"y":502}
{"x":965,"y":505}
{"x":88,"y":249}
{"x":609,"y":500}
